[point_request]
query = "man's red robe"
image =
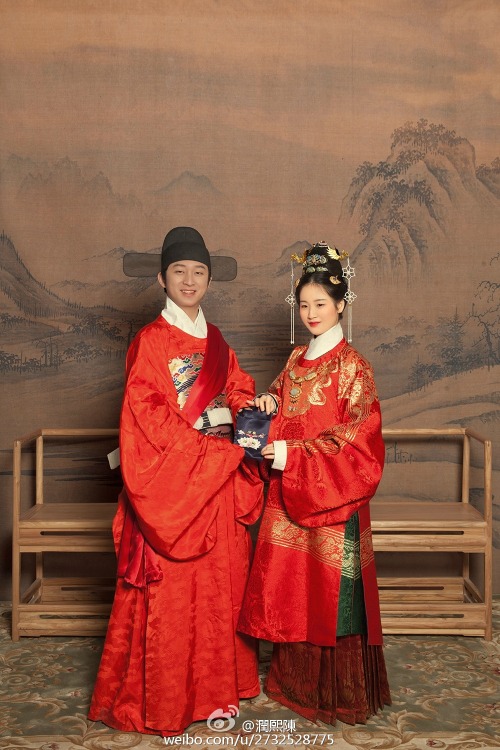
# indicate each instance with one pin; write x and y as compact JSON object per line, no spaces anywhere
{"x":171,"y":655}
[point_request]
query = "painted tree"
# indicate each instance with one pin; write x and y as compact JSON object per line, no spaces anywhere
{"x":485,"y":313}
{"x":448,"y":348}
{"x":418,"y":376}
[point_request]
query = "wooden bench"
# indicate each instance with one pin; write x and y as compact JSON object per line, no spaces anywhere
{"x":450,"y":604}
{"x":58,"y":605}
{"x":442,"y":604}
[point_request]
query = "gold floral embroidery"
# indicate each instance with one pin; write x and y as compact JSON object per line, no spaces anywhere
{"x":346,"y":376}
{"x":366,"y":548}
{"x":325,"y":543}
{"x":356,"y":384}
{"x":357,"y":387}
{"x":330,"y":443}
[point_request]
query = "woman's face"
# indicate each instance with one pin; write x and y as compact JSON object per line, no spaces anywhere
{"x":318,"y":311}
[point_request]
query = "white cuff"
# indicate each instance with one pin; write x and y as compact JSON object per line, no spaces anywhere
{"x":114,"y":458}
{"x":216,"y":417}
{"x":280,"y":455}
{"x":221,"y":415}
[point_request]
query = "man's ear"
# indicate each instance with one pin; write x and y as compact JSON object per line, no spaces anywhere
{"x":161,"y":281}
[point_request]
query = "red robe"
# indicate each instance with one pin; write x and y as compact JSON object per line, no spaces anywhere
{"x":330,"y":418}
{"x":171,"y":654}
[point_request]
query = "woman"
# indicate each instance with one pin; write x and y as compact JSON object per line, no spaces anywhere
{"x":312,"y":589}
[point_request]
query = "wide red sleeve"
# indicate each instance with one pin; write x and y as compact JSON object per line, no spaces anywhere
{"x":329,"y":477}
{"x":240,"y":386}
{"x":276,"y":390}
{"x":276,"y":387}
{"x":249,"y":487}
{"x":171,"y":472}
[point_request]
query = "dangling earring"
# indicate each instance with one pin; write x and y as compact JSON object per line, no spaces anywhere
{"x":348,"y":272}
{"x":291,"y":297}
{"x":291,"y":301}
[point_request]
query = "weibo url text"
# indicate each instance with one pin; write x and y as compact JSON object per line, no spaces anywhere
{"x":253,"y":740}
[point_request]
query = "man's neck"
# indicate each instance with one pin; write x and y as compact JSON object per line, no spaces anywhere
{"x":178,"y":317}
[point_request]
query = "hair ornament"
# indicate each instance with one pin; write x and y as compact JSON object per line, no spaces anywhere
{"x":348,"y":273}
{"x":312,"y":269}
{"x":293,"y":284}
{"x":291,"y":297}
{"x":315,"y":260}
{"x":336,"y":254}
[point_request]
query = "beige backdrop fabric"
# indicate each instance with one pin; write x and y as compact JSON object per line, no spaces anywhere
{"x":266,"y":125}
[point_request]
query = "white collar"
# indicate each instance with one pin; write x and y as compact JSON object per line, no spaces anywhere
{"x":324,"y":342}
{"x":174,"y":315}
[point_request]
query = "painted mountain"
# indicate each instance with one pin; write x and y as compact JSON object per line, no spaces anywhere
{"x":419,"y":213}
{"x":42,"y":330}
{"x":66,"y":217}
{"x":413,"y":220}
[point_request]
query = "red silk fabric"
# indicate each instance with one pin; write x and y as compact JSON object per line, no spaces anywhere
{"x":171,"y":655}
{"x":212,"y":377}
{"x":163,"y":457}
{"x":137,"y":562}
{"x":332,"y":428}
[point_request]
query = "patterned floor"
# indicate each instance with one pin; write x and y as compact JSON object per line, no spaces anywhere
{"x":445,"y":690}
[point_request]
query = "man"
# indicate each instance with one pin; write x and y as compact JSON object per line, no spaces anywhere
{"x":172,"y":655}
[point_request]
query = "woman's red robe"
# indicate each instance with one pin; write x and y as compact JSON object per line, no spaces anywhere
{"x":171,"y":654}
{"x":329,"y":416}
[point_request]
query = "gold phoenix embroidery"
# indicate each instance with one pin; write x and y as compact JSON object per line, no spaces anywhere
{"x":308,"y":388}
{"x":324,"y":543}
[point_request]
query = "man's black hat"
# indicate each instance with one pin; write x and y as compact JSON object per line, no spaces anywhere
{"x":184,"y":243}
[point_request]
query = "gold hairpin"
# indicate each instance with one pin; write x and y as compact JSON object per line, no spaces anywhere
{"x":335,"y":254}
{"x":335,"y":280}
{"x":299,"y":258}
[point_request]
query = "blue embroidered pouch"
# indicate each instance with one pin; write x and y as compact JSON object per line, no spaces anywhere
{"x":252,"y":431}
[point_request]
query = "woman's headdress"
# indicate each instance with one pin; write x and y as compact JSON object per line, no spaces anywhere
{"x":313,"y":260}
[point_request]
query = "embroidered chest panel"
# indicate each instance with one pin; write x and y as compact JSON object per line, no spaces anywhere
{"x":184,"y":370}
{"x":304,"y":386}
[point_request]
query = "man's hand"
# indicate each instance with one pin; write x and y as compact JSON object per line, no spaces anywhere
{"x":265,"y":403}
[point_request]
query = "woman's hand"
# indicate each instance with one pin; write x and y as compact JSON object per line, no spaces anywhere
{"x":268,"y":451}
{"x":265,"y":402}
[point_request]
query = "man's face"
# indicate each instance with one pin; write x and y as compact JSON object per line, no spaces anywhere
{"x":186,"y":283}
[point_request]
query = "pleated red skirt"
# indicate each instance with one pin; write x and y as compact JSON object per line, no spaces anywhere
{"x":346,"y":682}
